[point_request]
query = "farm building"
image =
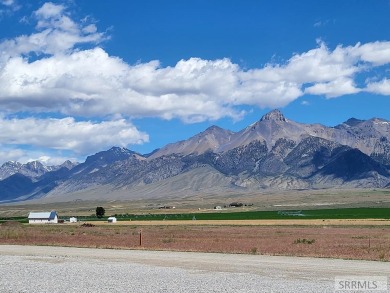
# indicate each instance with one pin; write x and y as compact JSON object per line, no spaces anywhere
{"x":43,"y":218}
{"x":73,"y":220}
{"x":111,"y":220}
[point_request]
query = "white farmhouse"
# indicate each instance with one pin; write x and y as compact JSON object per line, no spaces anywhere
{"x":43,"y":218}
{"x":111,"y":220}
{"x":73,"y":220}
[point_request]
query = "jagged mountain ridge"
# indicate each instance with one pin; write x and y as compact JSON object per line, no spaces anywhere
{"x":369,"y":136}
{"x":273,"y":153}
{"x":32,"y":169}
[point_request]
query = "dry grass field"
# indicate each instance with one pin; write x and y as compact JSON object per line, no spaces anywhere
{"x":348,"y":240}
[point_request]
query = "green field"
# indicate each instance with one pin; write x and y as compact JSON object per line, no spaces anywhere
{"x":351,"y":213}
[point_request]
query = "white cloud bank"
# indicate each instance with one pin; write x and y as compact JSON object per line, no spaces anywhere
{"x":380,"y":88}
{"x":93,"y":83}
{"x":47,"y":71}
{"x":68,"y":134}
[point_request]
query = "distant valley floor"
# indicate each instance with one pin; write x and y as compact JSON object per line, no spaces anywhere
{"x":205,"y":202}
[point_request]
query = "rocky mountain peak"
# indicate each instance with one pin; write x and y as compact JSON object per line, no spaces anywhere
{"x":214,"y":131}
{"x":11,"y":164}
{"x":68,"y":164}
{"x":120,"y":151}
{"x":112,"y":155}
{"x":353,"y":122}
{"x":213,"y":128}
{"x":274,"y":115}
{"x":210,"y":139}
{"x":34,"y":165}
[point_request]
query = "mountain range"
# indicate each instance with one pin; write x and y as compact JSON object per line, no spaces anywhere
{"x":273,"y":153}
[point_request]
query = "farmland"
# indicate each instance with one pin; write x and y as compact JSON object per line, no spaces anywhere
{"x":346,"y":213}
{"x":334,"y":231}
{"x":319,"y":214}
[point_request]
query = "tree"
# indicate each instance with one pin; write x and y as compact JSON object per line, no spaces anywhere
{"x":100,"y":212}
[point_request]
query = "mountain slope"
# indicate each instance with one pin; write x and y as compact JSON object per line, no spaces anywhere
{"x":272,"y":153}
{"x":209,"y":140}
{"x":15,"y":186}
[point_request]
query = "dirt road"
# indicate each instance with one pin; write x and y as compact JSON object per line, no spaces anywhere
{"x":62,"y":269}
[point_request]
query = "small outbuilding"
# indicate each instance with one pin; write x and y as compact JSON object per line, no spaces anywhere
{"x":111,"y":220}
{"x":73,"y":220}
{"x":43,"y":218}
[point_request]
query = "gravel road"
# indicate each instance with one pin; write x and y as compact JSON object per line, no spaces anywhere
{"x":64,"y":269}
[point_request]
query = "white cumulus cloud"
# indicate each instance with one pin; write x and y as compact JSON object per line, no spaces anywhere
{"x":381,"y":87}
{"x":82,"y":137}
{"x":90,"y":82}
{"x":56,"y":33}
{"x":334,"y":88}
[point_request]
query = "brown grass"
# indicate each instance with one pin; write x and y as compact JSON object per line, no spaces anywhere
{"x":349,"y":242}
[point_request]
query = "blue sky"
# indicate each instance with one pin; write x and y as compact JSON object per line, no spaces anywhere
{"x":79,"y":76}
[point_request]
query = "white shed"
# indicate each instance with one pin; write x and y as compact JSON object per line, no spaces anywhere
{"x":111,"y":220}
{"x":73,"y":220}
{"x":43,"y":218}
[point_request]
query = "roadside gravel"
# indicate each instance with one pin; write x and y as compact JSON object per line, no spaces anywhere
{"x":64,"y":269}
